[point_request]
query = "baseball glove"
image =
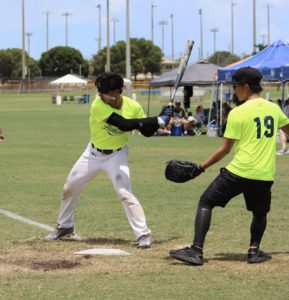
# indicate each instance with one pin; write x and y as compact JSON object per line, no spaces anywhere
{"x":182,"y":171}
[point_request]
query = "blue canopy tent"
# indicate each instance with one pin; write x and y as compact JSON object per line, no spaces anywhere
{"x":272,"y":62}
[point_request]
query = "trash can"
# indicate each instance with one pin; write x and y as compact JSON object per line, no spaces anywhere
{"x":212,"y":130}
{"x":133,"y":96}
{"x":58,"y":100}
{"x":78,"y":99}
{"x":85,"y":98}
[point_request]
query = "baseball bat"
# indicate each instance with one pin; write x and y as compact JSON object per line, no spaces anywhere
{"x":182,"y":67}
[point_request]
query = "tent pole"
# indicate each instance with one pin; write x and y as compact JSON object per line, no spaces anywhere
{"x":149,"y":97}
{"x":283,"y":94}
{"x":221,"y":103}
{"x":212,"y":100}
{"x":217,"y":110}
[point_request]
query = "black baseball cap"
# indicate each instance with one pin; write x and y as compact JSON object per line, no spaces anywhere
{"x":108,"y":81}
{"x":247,"y":75}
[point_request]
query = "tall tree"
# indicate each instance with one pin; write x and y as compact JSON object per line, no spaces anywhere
{"x":60,"y":61}
{"x":150,"y":54}
{"x":6,"y":64}
{"x":223,"y":58}
{"x":260,"y":48}
{"x":145,"y":57}
{"x":11,"y":64}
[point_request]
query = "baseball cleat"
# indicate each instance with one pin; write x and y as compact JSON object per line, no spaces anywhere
{"x":256,"y":256}
{"x":188,"y":255}
{"x":59,"y":233}
{"x":145,"y":241}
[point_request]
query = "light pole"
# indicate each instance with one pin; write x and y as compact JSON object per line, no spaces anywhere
{"x":114,"y":21}
{"x":201,"y":34}
{"x":47,"y":13}
{"x":152,"y":9}
{"x":28,"y":34}
{"x":232,"y":23}
{"x":214,"y":30}
{"x":172,"y":23}
{"x":163,"y":23}
{"x":107,"y":67}
{"x":23,"y":42}
{"x":99,"y":26}
{"x":66,"y":15}
{"x":128,"y":64}
{"x":268,"y":22}
{"x":254,"y":26}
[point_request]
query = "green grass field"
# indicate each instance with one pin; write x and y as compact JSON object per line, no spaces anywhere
{"x":42,"y":141}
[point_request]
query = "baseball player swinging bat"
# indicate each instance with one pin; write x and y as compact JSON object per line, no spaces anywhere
{"x":182,"y":67}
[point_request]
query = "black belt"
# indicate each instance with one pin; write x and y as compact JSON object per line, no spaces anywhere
{"x":105,"y":151}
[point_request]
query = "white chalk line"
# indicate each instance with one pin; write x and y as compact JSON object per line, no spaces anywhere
{"x":24,"y":220}
{"x":75,"y":236}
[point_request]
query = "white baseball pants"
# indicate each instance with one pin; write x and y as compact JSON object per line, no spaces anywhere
{"x":90,"y":163}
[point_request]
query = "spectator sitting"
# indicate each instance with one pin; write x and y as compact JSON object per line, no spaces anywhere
{"x":179,"y":118}
{"x":196,"y":123}
{"x":178,"y":111}
{"x":167,"y":110}
{"x":283,"y":137}
{"x":200,"y":115}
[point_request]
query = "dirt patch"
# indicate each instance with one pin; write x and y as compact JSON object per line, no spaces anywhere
{"x":52,"y":265}
{"x":40,"y":264}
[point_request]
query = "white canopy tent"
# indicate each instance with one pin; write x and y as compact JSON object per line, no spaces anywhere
{"x":69,"y":80}
{"x":66,"y":83}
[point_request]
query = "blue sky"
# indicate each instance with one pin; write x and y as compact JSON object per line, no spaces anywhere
{"x":83,"y":24}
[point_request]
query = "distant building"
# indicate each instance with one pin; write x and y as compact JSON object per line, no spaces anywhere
{"x":168,"y":64}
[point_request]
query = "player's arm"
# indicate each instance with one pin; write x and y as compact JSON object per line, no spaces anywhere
{"x":147,"y":126}
{"x":219,"y":153}
{"x":285,"y":129}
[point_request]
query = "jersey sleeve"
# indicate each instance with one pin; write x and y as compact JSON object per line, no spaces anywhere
{"x":100,"y":110}
{"x":283,"y":120}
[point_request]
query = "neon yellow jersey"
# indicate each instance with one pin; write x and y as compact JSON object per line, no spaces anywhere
{"x":105,"y":136}
{"x":254,"y":126}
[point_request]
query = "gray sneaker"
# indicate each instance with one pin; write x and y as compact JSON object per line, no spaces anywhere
{"x":145,"y":241}
{"x":59,"y":232}
{"x":282,"y":152}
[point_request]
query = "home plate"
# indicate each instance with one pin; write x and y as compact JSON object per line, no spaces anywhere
{"x":102,"y":251}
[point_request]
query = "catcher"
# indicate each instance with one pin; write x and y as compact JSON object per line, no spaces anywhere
{"x":251,"y":129}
